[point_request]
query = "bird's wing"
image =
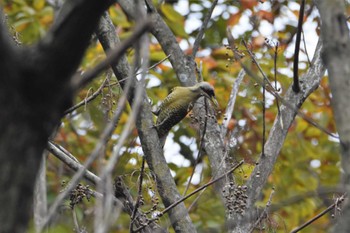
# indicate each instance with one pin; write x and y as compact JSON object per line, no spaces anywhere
{"x":167,"y":101}
{"x":163,"y":103}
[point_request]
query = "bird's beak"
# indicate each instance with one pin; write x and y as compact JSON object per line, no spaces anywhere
{"x":214,"y":101}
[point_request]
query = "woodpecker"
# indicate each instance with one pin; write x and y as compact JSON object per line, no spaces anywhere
{"x":177,"y":104}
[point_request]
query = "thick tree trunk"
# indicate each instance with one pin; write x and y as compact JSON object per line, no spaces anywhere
{"x":34,"y":91}
{"x":335,"y":34}
{"x":27,"y":117}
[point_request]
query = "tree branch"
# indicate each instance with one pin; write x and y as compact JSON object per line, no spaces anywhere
{"x":69,"y":36}
{"x":184,"y":66}
{"x":113,"y":55}
{"x":335,"y":34}
{"x":337,"y":202}
{"x":203,"y":28}
{"x":33,"y":96}
{"x":104,"y":138}
{"x":125,"y":199}
{"x":149,"y":137}
{"x":7,"y":48}
{"x":310,"y":81}
{"x":231,"y":102}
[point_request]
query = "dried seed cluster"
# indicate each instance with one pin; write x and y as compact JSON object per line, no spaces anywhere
{"x":236,"y":198}
{"x":155,"y":203}
{"x":76,"y":195}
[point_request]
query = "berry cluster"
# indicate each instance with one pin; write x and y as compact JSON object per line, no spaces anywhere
{"x":236,"y":198}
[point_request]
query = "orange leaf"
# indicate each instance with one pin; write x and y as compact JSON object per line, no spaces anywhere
{"x":258,"y":41}
{"x":248,"y":4}
{"x":234,"y":19}
{"x":209,"y":62}
{"x":231,"y":124}
{"x":266,"y":15}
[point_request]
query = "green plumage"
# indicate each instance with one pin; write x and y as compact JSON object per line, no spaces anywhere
{"x":177,"y":104}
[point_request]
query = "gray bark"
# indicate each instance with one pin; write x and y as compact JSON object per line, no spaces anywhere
{"x":152,"y":150}
{"x":335,"y":34}
{"x":309,"y":82}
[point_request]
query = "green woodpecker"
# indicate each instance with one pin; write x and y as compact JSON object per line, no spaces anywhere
{"x":177,"y":104}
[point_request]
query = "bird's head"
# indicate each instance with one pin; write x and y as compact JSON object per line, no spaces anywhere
{"x":207,"y":90}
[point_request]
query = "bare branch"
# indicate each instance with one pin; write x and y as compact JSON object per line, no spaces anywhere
{"x":105,"y":136}
{"x":337,"y":202}
{"x":148,"y":134}
{"x":265,"y":211}
{"x":320,"y":192}
{"x":193,"y":193}
{"x":40,"y":196}
{"x":125,"y":200}
{"x":90,"y":98}
{"x":71,"y":161}
{"x":291,"y":103}
{"x":231,"y":102}
{"x":274,"y":92}
{"x":203,"y":28}
{"x":296,"y":86}
{"x":184,"y":66}
{"x":70,"y":35}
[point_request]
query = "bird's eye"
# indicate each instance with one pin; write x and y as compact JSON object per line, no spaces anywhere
{"x":209,"y":92}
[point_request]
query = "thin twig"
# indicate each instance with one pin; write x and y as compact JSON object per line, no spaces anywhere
{"x":67,"y":158}
{"x":90,"y":98}
{"x":305,"y":48}
{"x":140,"y":92}
{"x":337,"y":202}
{"x":292,"y":34}
{"x":190,"y":195}
{"x":264,"y":122}
{"x":275,"y":78}
{"x":203,"y":28}
{"x":265,"y":80}
{"x":137,"y":204}
{"x":152,"y":66}
{"x":104,"y":138}
{"x":265,"y":211}
{"x":201,"y":143}
{"x":141,"y":54}
{"x":296,"y":86}
{"x":320,"y":192}
{"x":99,"y":90}
{"x":75,"y":220}
{"x":273,"y":92}
{"x":157,"y":63}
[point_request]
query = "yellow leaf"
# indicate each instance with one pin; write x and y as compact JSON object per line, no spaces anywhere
{"x":171,"y":14}
{"x":38,"y":4}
